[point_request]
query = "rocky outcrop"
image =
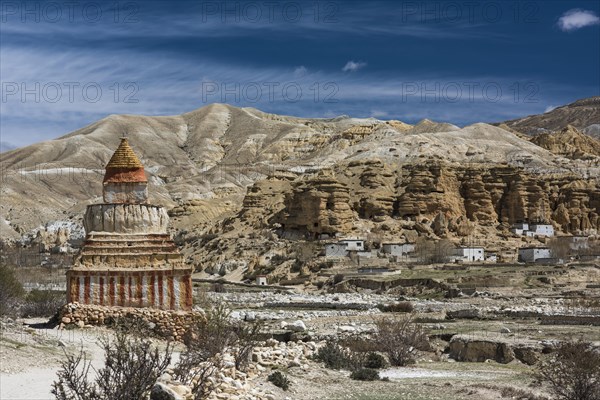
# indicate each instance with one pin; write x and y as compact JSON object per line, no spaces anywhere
{"x":570,"y":143}
{"x":320,"y":204}
{"x":578,"y":207}
{"x":375,"y":196}
{"x":442,"y":199}
{"x":266,"y":197}
{"x":429,"y":189}
{"x":470,"y":348}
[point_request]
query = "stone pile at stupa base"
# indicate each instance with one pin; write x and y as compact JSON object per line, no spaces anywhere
{"x":128,"y":258}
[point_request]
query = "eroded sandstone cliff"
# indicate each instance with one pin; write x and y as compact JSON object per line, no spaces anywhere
{"x":445,"y":196}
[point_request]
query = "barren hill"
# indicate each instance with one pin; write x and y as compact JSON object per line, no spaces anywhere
{"x":582,"y":114}
{"x":240,"y":182}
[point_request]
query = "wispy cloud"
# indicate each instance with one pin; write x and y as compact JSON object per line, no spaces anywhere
{"x":379,"y":113}
{"x":352,"y":66}
{"x":173,"y":86}
{"x":216,"y":20}
{"x":182,"y":65}
{"x":300,"y":71}
{"x":576,"y":19}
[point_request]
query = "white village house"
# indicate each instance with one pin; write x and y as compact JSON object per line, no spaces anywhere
{"x":520,"y":228}
{"x":541,"y":230}
{"x":343,"y":247}
{"x":335,"y":250}
{"x":469,"y":254}
{"x":353,"y":244}
{"x":261,"y":280}
{"x":531,"y":230}
{"x":532,"y":254}
{"x":579,"y":243}
{"x":398,"y":249}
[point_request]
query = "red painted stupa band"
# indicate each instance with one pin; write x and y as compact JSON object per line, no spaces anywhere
{"x":123,"y":175}
{"x":128,"y":258}
{"x":158,"y":289}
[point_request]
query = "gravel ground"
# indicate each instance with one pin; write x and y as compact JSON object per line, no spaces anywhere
{"x":30,"y":357}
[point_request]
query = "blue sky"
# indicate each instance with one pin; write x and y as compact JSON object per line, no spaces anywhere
{"x":66,"y":64}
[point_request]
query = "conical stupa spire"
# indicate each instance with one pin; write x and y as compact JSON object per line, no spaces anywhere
{"x":124,"y":157}
{"x":125,"y":180}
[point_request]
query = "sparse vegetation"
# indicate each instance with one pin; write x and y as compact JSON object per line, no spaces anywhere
{"x":335,"y":356}
{"x":42,"y":303}
{"x":206,"y":340}
{"x":375,"y":361}
{"x":278,"y":379}
{"x":432,"y":252}
{"x":399,"y":338}
{"x":246,"y":334}
{"x":560,"y":247}
{"x":365,"y":374}
{"x":132,"y":366}
{"x":510,"y":392}
{"x":354,"y":355}
{"x":573,"y":373}
{"x":11,"y":291}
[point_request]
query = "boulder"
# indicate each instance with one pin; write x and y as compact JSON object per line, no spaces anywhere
{"x":161,"y":391}
{"x":467,"y":313}
{"x":479,"y":350}
{"x":297,"y":326}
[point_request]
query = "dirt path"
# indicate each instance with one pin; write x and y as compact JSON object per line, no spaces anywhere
{"x":30,"y":358}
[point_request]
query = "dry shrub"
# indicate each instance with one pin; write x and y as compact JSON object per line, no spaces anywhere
{"x":365,"y":374}
{"x":206,"y":340}
{"x":337,"y":356}
{"x":11,"y":291}
{"x":375,"y":361}
{"x":42,"y":303}
{"x":132,"y":366}
{"x":278,"y":379}
{"x":246,"y":337}
{"x":399,"y":338}
{"x":573,"y":373}
{"x":354,"y":353}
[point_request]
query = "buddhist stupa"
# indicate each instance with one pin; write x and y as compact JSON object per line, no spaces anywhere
{"x":128,"y":258}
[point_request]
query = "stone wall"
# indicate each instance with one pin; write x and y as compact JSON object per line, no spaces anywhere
{"x":570,"y":320}
{"x":168,"y":324}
